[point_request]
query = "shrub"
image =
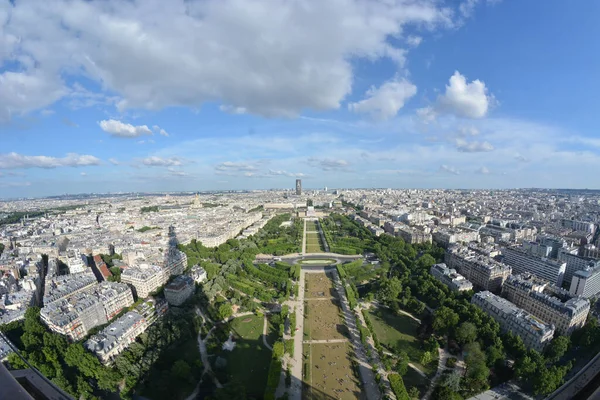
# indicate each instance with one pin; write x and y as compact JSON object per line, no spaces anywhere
{"x":398,"y":387}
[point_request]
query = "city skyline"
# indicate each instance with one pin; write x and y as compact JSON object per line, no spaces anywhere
{"x":101,"y":97}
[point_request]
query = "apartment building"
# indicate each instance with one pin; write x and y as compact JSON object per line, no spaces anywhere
{"x":586,"y":283}
{"x":408,"y":233}
{"x":482,"y":271}
{"x":451,"y":278}
{"x":580,"y":226}
{"x":199,"y":275}
{"x":534,"y":333}
{"x":63,"y":286}
{"x":145,"y":279}
{"x":179,"y":290}
{"x":575,"y":263}
{"x":447,"y":237}
{"x":116,"y":337}
{"x":74,"y":316}
{"x":522,"y":263}
{"x":549,"y":303}
{"x":113,"y":296}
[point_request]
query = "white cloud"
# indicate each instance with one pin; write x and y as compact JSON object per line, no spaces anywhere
{"x":121,"y":129}
{"x":473,"y":147}
{"x":230,"y":166}
{"x":155,"y":161}
{"x":213,"y":50}
{"x":329,"y":164}
{"x":83,"y":174}
{"x":482,"y":170}
{"x":427,"y":114}
{"x":414,"y":41}
{"x":521,"y":158}
{"x":449,"y":169}
{"x":22,"y":92}
{"x":46,"y":112}
{"x":233,"y":110}
{"x":385,"y":101}
{"x":113,"y":161}
{"x":15,"y":160}
{"x":465,"y":131}
{"x":160,"y":131}
{"x":469,"y":100}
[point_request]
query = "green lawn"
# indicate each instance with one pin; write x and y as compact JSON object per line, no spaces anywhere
{"x":249,"y":361}
{"x":399,"y":333}
{"x":313,"y":243}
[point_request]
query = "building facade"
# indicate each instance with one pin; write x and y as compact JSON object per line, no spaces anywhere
{"x":586,"y":283}
{"x":482,"y":271}
{"x":179,"y":290}
{"x":534,"y":333}
{"x":551,"y":304}
{"x":451,"y":278}
{"x":145,"y":279}
{"x":523,"y":263}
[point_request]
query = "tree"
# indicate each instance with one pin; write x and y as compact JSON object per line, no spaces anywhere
{"x":547,"y":380}
{"x":278,"y":350}
{"x":181,"y":370}
{"x":225,"y":311}
{"x":466,"y":333}
{"x":414,"y":393}
{"x":389,"y":290}
{"x":402,"y":364}
{"x":453,"y":381}
{"x":426,"y":261}
{"x":426,"y":358}
{"x":557,"y":348}
{"x":444,"y":320}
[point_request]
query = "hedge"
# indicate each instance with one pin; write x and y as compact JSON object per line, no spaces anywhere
{"x":273,"y":379}
{"x":398,"y":387}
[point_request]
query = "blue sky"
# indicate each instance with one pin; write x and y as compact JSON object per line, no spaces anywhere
{"x":202,"y":95}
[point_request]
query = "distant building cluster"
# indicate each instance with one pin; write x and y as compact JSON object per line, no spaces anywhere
{"x":538,"y":249}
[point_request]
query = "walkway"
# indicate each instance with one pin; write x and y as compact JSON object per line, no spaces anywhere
{"x":264,"y":335}
{"x":295,"y":391}
{"x":413,"y":366}
{"x":376,"y":361}
{"x":443,"y":356}
{"x":304,"y":239}
{"x":321,"y":341}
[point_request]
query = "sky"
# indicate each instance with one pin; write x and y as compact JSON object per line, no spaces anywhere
{"x":149,"y":95}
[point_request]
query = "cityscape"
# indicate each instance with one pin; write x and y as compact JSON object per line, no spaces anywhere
{"x":299,"y":200}
{"x":333,"y":293}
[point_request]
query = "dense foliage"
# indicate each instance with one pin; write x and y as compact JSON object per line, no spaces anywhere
{"x":149,"y":209}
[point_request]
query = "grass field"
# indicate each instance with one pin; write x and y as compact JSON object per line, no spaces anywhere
{"x":323,"y":317}
{"x":329,"y":373}
{"x":399,"y":333}
{"x":249,"y":361}
{"x":313,"y":239}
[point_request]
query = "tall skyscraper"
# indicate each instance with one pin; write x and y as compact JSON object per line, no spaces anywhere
{"x":298,"y":187}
